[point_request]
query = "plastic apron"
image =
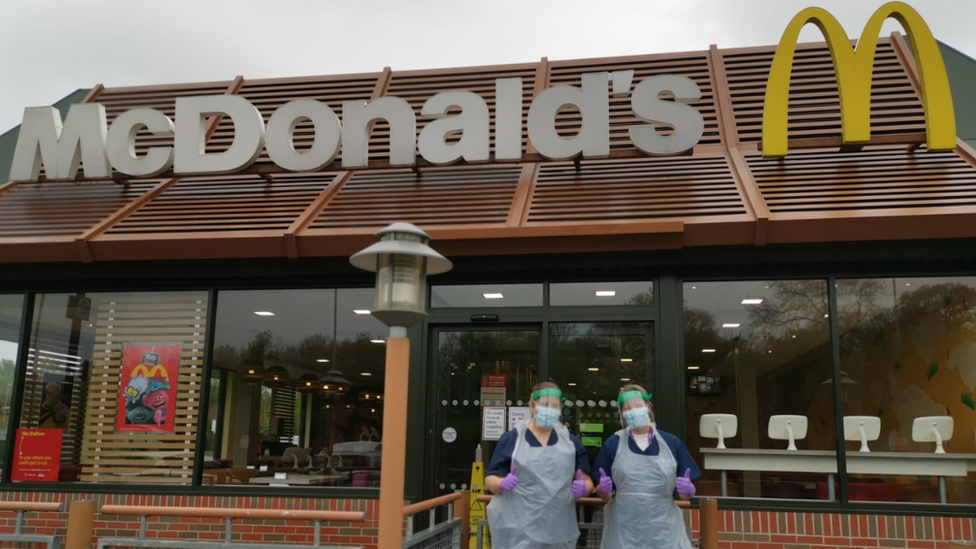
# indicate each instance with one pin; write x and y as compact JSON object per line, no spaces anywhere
{"x":541,"y":512}
{"x":642,"y":512}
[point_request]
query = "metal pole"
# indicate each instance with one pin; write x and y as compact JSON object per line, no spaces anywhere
{"x":19,"y":523}
{"x":432,"y":518}
{"x":830,"y":486}
{"x":478,"y":534}
{"x":142,"y":525}
{"x":318,"y":533}
{"x":393,"y":460}
{"x":725,"y":484}
{"x":840,"y":443}
{"x":943,"y":491}
{"x":708,"y":517}
{"x":228,"y":528}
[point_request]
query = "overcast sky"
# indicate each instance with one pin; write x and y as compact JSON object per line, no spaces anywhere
{"x":51,"y":48}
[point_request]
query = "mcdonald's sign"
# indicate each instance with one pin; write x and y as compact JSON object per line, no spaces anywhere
{"x":157,"y":371}
{"x":853,"y":69}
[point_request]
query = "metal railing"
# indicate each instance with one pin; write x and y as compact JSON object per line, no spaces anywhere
{"x":228,"y":515}
{"x":591,"y":532}
{"x":447,"y":534}
{"x":20,"y":507}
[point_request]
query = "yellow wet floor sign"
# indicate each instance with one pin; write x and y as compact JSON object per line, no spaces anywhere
{"x":478,"y":511}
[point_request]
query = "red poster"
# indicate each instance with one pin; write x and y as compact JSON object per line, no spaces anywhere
{"x":37,"y":455}
{"x":494,"y":380}
{"x":148,"y":388}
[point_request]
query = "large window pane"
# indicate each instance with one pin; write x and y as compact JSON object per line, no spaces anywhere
{"x":908,"y":350}
{"x":271,"y":351}
{"x":759,"y":350}
{"x":11,"y":313}
{"x":594,"y":294}
{"x":591,"y":362}
{"x":119,"y":375}
{"x":301,"y":387}
{"x":486,"y":296}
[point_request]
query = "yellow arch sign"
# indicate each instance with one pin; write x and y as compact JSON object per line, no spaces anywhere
{"x":854,"y":70}
{"x":143,"y":370}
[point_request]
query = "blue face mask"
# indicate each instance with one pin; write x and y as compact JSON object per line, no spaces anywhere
{"x":546,"y":417}
{"x":638,"y":418}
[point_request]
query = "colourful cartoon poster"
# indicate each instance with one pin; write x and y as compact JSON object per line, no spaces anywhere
{"x":37,"y":455}
{"x":150,"y":374}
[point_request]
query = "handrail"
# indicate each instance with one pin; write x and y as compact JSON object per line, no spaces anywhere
{"x":429,"y":504}
{"x":229,"y":512}
{"x":31,"y":506}
{"x":594,"y":501}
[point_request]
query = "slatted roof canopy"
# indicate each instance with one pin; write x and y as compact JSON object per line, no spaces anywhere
{"x":721,"y":193}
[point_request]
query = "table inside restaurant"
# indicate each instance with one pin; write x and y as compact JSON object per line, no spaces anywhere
{"x":825,"y":462}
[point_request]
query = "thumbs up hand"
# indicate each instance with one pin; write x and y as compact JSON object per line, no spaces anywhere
{"x":579,"y":485}
{"x":684,"y":485}
{"x":510,"y":481}
{"x":606,"y":484}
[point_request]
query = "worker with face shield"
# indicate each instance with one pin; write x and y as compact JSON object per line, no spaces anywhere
{"x":641,"y":471}
{"x":536,"y":473}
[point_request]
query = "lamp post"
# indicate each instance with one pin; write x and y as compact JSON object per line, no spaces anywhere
{"x":401,"y":260}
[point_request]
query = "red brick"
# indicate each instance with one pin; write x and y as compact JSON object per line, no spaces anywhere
{"x":809,"y":540}
{"x":296,"y":538}
{"x":921,"y":544}
{"x":837,"y":541}
{"x":744,"y":545}
{"x":782,"y":538}
{"x":165,"y":534}
{"x":252,"y":537}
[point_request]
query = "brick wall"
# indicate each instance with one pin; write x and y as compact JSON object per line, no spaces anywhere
{"x":771,"y":530}
{"x":252,"y":530}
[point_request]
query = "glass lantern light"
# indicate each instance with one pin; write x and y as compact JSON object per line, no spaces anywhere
{"x":333,"y":383}
{"x":276,"y":376}
{"x":308,"y":383}
{"x":401,"y":260}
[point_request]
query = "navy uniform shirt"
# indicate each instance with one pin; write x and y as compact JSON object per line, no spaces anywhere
{"x":681,"y":455}
{"x":501,"y":458}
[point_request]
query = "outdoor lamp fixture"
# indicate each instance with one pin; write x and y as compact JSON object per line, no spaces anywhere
{"x":401,"y":260}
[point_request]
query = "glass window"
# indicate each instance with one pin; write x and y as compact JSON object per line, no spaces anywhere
{"x":118,"y":376}
{"x":272,"y":353}
{"x":759,"y":350}
{"x":301,"y":388}
{"x":11,"y":313}
{"x":473,"y":369}
{"x":908,"y":350}
{"x":591,"y":362}
{"x":594,"y":294}
{"x":486,"y":296}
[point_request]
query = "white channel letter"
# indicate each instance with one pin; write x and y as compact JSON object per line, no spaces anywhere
{"x":191,"y":128}
{"x":472,"y":123}
{"x":648,"y":106}
{"x":279,"y":136}
{"x":121,"y":143}
{"x":508,"y":119}
{"x":60,"y":147}
{"x":358,"y":118}
{"x":593,"y":102}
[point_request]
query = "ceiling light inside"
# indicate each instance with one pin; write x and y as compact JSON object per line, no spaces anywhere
{"x":708,"y":350}
{"x":378,"y":341}
{"x":321,"y":360}
{"x":593,"y":369}
{"x":365,"y":374}
{"x":361,"y":311}
{"x":626,"y":360}
{"x":752,"y":301}
{"x":606,"y":293}
{"x":625,"y":379}
{"x":264,"y":313}
{"x":494,"y":296}
{"x":693,"y":367}
{"x":571,"y":384}
{"x":730,"y":325}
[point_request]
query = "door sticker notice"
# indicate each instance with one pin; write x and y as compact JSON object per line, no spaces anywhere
{"x":493,"y":422}
{"x":517,"y":414}
{"x":37,"y":455}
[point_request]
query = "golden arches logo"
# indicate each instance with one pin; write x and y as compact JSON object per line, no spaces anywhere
{"x":143,"y":370}
{"x":853,"y":69}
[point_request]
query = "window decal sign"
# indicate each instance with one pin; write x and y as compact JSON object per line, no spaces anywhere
{"x":150,"y":374}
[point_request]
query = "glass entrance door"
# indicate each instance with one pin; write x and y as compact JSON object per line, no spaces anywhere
{"x":474,"y":368}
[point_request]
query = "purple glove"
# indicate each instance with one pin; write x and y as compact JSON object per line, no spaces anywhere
{"x":606,"y":485}
{"x":579,"y":485}
{"x":684,"y":486}
{"x":510,"y":481}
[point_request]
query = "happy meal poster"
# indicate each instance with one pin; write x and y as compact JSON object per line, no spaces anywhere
{"x":150,"y":374}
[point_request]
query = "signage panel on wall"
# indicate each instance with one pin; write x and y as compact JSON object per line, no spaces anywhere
{"x":37,"y":455}
{"x":150,"y":376}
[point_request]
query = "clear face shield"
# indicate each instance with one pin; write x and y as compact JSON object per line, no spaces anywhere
{"x":634,"y":411}
{"x":548,"y":407}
